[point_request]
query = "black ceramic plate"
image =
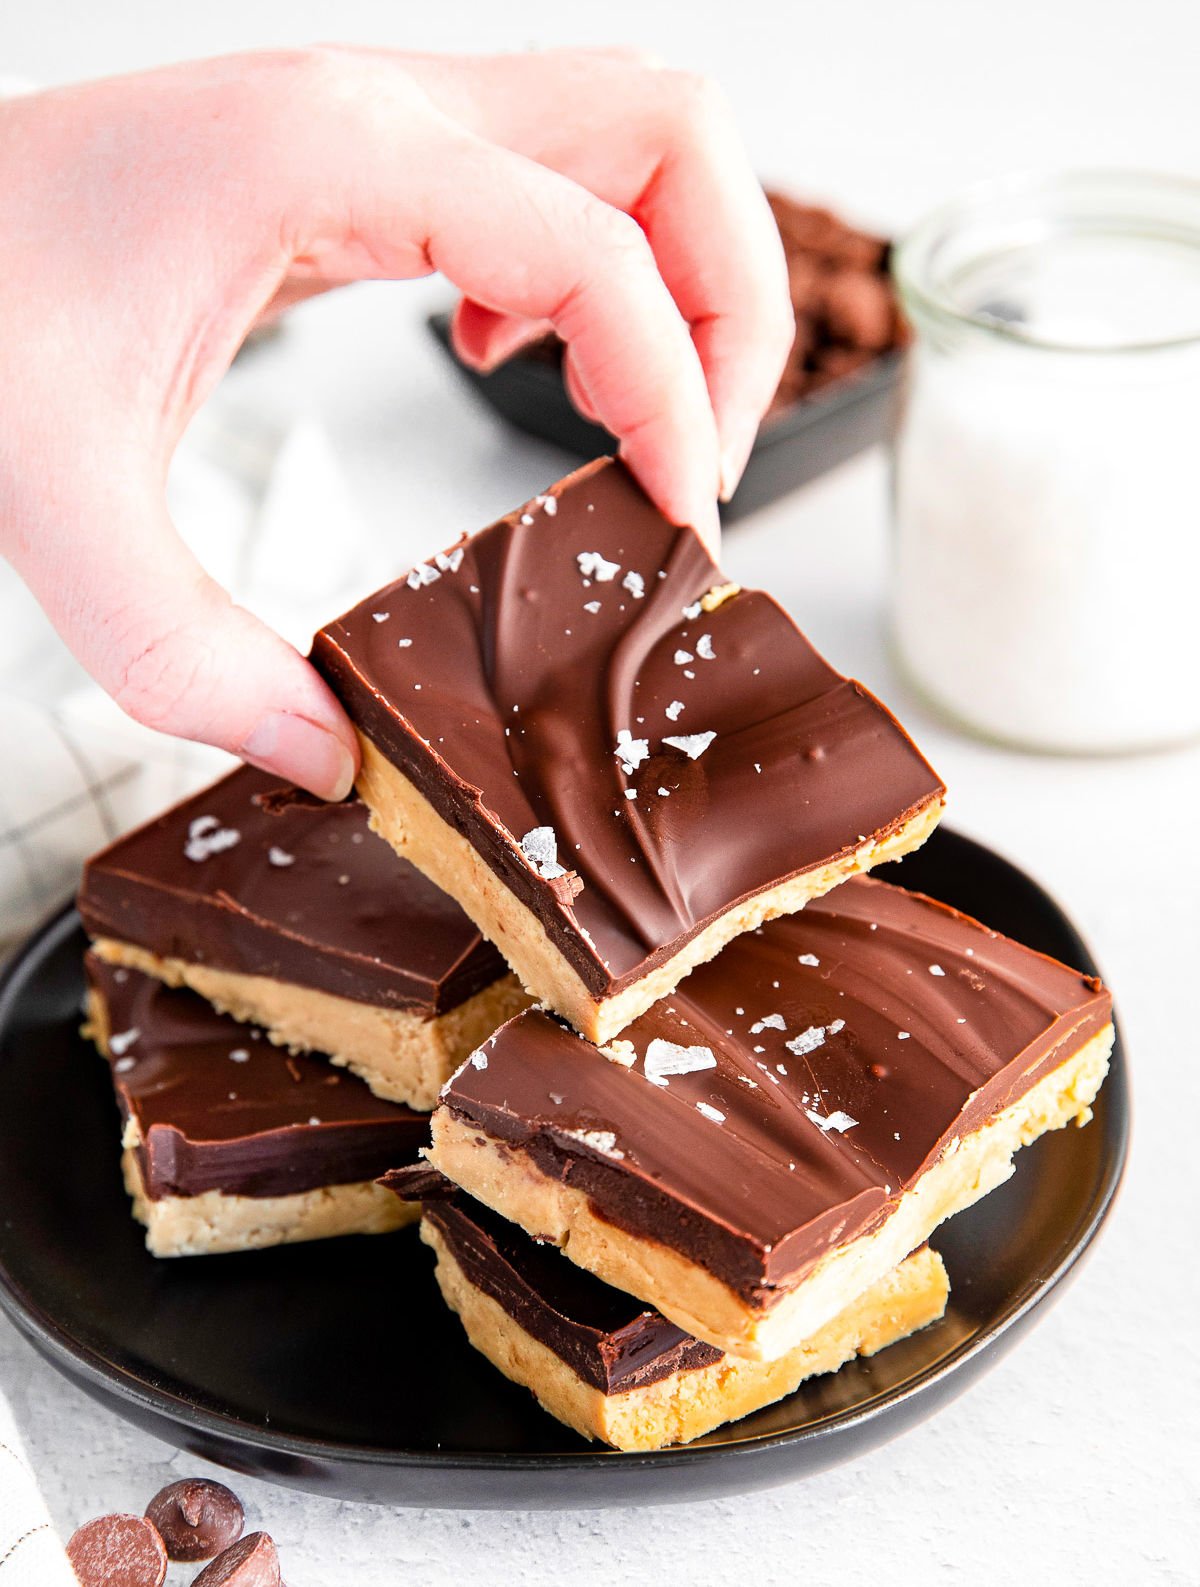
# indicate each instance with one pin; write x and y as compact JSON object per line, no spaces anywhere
{"x":336,"y":1366}
{"x":793,"y":446}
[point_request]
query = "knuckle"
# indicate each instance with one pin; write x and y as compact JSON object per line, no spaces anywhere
{"x":163,"y":682}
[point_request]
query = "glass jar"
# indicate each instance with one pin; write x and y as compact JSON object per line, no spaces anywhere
{"x":1046,"y":469}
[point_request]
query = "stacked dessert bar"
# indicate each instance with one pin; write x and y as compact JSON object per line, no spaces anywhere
{"x":705,"y":1165}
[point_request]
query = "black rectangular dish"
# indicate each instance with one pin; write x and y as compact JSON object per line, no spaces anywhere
{"x":796,"y":443}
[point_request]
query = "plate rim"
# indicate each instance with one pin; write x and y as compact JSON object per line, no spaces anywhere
{"x":87,"y":1365}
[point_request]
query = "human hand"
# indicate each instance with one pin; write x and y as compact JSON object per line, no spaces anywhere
{"x":146,"y":223}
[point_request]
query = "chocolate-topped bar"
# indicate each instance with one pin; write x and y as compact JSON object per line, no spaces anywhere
{"x":611,"y":757}
{"x":801,"y":1113}
{"x":231,"y":1143}
{"x":601,"y":1362}
{"x":290,"y":913}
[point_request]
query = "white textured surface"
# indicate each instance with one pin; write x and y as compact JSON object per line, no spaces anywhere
{"x":1076,"y":1459}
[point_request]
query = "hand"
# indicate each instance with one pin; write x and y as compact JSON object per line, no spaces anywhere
{"x":146,"y":223}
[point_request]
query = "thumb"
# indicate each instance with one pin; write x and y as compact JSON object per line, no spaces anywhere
{"x":174,"y":651}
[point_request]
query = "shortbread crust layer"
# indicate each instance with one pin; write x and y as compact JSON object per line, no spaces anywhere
{"x":401,"y":1056}
{"x":211,"y":1222}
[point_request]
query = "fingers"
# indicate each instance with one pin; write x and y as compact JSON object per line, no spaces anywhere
{"x":520,"y":240}
{"x":719,"y":251}
{"x":171,"y":647}
{"x":663,"y":146}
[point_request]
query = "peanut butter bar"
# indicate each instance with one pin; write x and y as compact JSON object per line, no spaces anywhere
{"x":290,"y":913}
{"x":767,"y":1143}
{"x":600,"y":1362}
{"x":229,"y":1143}
{"x":612,"y":758}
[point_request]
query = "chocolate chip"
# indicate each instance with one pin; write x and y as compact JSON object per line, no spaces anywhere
{"x":251,"y":1563}
{"x":118,"y":1551}
{"x":858,"y":309}
{"x":196,"y":1518}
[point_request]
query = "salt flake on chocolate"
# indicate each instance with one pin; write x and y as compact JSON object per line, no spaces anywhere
{"x":673,"y":710}
{"x":808,"y":958}
{"x":381,"y":617}
{"x":478,"y":1059}
{"x":449,"y":561}
{"x":635,"y":584}
{"x":206,"y":837}
{"x":768,"y":1022}
{"x":603,"y":1141}
{"x":936,"y":969}
{"x":540,"y":848}
{"x":278,"y":856}
{"x":591,"y":606}
{"x":666,"y":1058}
{"x":709,"y":1112}
{"x":682,"y":657}
{"x":124,"y":1065}
{"x":837,"y":1120}
{"x":630,"y":751}
{"x":423,"y":573}
{"x":807,"y":1041}
{"x":122,"y":1041}
{"x":693,"y":611}
{"x":693,"y":745}
{"x":704,"y":648}
{"x":593,"y":566}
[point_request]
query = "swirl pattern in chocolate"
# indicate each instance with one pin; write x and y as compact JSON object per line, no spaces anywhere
{"x":218,"y":1107}
{"x":560,"y":670}
{"x":788,"y":1092}
{"x":307,"y":895}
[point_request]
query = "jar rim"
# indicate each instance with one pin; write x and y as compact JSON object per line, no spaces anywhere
{"x":1125,"y":201}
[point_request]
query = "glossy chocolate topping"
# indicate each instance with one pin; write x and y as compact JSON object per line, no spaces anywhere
{"x":218,"y":1107}
{"x":807,"y":1076}
{"x":605,"y":1336}
{"x":532,"y":677}
{"x":307,"y":895}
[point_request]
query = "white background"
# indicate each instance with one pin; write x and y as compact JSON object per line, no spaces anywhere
{"x":1076,"y":1460}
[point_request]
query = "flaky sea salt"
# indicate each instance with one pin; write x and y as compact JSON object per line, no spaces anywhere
{"x":635,"y":584}
{"x":710,"y":1112}
{"x":666,"y":1058}
{"x":768,"y":1022}
{"x":693,"y":745}
{"x":280,"y":857}
{"x":672,"y":711}
{"x":808,"y":958}
{"x":206,"y":837}
{"x":423,"y":573}
{"x":837,"y":1120}
{"x":540,"y":848}
{"x":807,"y":1041}
{"x":603,"y":1141}
{"x":630,"y":751}
{"x":704,"y":648}
{"x":594,"y":566}
{"x":120,"y":1042}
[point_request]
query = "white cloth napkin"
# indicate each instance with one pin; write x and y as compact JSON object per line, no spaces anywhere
{"x":269,"y":515}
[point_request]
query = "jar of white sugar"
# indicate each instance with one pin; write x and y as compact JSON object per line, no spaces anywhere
{"x":1046,"y":480}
